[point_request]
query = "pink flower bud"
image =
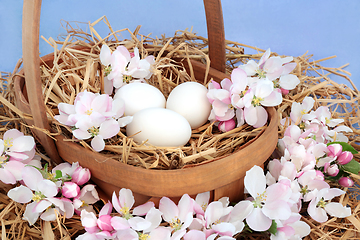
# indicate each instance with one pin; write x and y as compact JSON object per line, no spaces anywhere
{"x":334,"y":150}
{"x":81,"y":175}
{"x":70,"y":190}
{"x":345,"y":157}
{"x":331,"y":170}
{"x":226,"y":126}
{"x":319,"y":175}
{"x":346,"y":182}
{"x":104,"y":223}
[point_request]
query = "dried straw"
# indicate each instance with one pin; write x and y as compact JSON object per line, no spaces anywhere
{"x":75,"y":70}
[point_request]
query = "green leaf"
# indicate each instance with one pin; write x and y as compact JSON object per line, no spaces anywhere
{"x":273,"y":228}
{"x":58,"y":174}
{"x":345,"y":147}
{"x":353,"y":166}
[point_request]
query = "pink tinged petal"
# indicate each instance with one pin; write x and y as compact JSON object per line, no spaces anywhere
{"x":42,"y":206}
{"x":30,"y":215}
{"x":89,"y":221}
{"x":224,"y":228}
{"x":125,"y":121}
{"x":106,"y":209}
{"x":105,"y":55}
{"x":337,"y":210}
{"x":80,"y":134}
{"x":302,"y":229}
{"x":119,"y":223}
{"x":125,"y":52}
{"x":31,"y":177}
{"x":160,"y":233}
{"x":257,"y":221}
{"x":255,"y":181}
{"x":226,"y":84}
{"x":88,"y":194}
{"x":126,"y":198}
{"x":203,"y":198}
{"x":289,"y":170}
{"x":289,"y":81}
{"x":127,"y":234}
{"x":222,"y":95}
{"x":104,"y":223}
{"x":101,"y":103}
{"x":70,"y":190}
{"x":287,"y":230}
{"x":250,"y":68}
{"x":12,"y":134}
{"x":49,"y":215}
{"x":214,"y":85}
{"x":264,"y":57}
{"x":239,"y":79}
{"x":262,"y":117}
{"x":139,"y":223}
{"x":178,"y":234}
{"x":108,"y":86}
{"x":288,"y":68}
{"x":273,"y":99}
{"x":118,"y":107}
{"x":213,"y":213}
{"x":277,"y":210}
{"x":116,"y":202}
{"x":48,"y":188}
{"x":154,"y":217}
{"x":143,"y":209}
{"x":68,"y":208}
{"x":20,"y":194}
{"x":240,"y":117}
{"x":194,"y":235}
{"x":241,"y":210}
{"x":264,"y":88}
{"x":98,"y":143}
{"x":22,"y":144}
{"x":7,"y":177}
{"x":317,"y":213}
{"x":168,"y":208}
{"x":109,"y":128}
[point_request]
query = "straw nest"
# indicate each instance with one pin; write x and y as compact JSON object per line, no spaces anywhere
{"x":76,"y":70}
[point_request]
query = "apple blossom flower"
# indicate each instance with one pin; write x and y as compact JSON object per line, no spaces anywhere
{"x":321,"y":205}
{"x":311,"y":185}
{"x":178,"y":216}
{"x":16,"y":146}
{"x":98,"y":130}
{"x":268,"y":204}
{"x":44,"y":196}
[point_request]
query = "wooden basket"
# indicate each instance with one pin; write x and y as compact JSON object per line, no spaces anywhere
{"x":223,"y":177}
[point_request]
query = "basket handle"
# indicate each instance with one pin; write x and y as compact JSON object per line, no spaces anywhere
{"x":31,"y":61}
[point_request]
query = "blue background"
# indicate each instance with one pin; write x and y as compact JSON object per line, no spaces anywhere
{"x":323,"y":28}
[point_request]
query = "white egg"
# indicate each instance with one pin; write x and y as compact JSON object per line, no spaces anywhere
{"x":189,"y":99}
{"x":138,"y":96}
{"x":160,"y":127}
